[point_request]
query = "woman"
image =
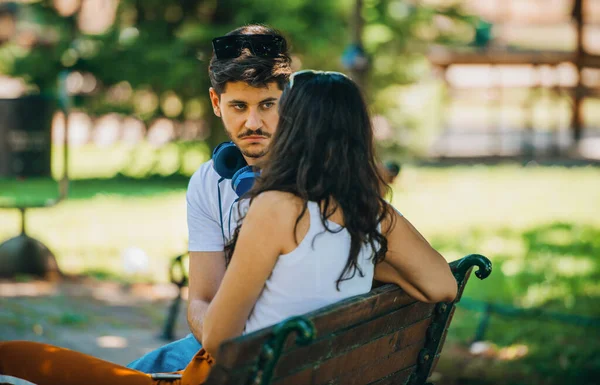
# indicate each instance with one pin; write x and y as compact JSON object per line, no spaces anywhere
{"x":316,"y":231}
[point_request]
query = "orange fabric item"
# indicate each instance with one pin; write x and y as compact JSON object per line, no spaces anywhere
{"x":46,"y":364}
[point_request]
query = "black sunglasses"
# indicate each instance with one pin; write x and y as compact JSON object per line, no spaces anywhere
{"x":230,"y":47}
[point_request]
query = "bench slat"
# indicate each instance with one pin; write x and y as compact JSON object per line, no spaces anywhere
{"x":371,"y":305}
{"x":360,"y":359}
{"x":403,"y":359}
{"x":364,"y":372}
{"x":402,"y":328}
{"x":365,"y":354}
{"x":397,"y":378}
{"x":242,"y":350}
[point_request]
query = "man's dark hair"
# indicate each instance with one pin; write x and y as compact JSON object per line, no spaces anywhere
{"x":254,"y":70}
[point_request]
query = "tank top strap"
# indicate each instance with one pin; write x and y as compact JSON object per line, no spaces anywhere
{"x":316,"y":222}
{"x":314,"y":211}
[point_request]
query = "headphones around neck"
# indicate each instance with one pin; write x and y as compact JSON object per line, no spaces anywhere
{"x":229,"y":163}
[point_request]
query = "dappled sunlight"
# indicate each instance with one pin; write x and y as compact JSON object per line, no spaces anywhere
{"x":27,"y":289}
{"x":109,"y":292}
{"x":573,"y":267}
{"x":557,"y":235}
{"x":117,"y":294}
{"x":539,"y":294}
{"x":591,"y":289}
{"x":97,"y":16}
{"x":513,"y":346}
{"x":504,"y":244}
{"x":112,"y":342}
{"x":551,"y":266}
{"x":497,"y":198}
{"x":544,"y":292}
{"x":512,"y":267}
{"x":490,"y":350}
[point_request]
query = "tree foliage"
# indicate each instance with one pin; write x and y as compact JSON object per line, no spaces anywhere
{"x":159,"y":49}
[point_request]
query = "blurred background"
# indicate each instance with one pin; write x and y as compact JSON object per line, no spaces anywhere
{"x":488,"y":110}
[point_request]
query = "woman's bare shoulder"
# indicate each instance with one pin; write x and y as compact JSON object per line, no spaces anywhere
{"x":390,"y":219}
{"x":277,"y":204}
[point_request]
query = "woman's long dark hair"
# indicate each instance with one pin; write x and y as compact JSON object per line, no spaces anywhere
{"x":323,"y":151}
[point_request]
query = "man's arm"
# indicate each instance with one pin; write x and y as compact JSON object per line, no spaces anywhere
{"x":206,"y":261}
{"x":206,"y":273}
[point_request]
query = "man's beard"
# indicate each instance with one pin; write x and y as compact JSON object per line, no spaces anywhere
{"x":253,"y":153}
{"x":256,"y":153}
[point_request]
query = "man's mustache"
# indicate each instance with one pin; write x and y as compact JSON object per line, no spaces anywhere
{"x":258,"y":132}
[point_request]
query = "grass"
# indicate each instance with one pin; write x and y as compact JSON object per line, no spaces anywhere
{"x":540,"y":226}
{"x":541,"y":229}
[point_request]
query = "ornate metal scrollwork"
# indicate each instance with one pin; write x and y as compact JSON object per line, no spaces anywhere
{"x":271,"y":350}
{"x":462,"y":266}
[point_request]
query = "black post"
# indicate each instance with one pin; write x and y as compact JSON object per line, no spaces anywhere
{"x":483,"y":323}
{"x":22,"y":210}
{"x":168,"y":332}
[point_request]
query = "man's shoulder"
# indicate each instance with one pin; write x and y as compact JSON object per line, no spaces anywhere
{"x":201,"y":181}
{"x":205,"y":174}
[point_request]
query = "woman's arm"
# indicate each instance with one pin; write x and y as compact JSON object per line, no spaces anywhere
{"x":413,"y":264}
{"x":267,"y":225}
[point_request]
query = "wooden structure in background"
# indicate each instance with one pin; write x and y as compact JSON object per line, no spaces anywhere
{"x":583,"y":13}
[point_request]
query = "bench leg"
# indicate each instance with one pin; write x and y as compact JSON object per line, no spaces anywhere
{"x":168,"y":332}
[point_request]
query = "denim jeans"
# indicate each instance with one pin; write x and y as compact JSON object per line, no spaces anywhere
{"x":168,"y":358}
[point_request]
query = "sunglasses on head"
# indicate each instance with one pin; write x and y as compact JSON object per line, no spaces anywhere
{"x":230,"y":47}
{"x":306,"y":74}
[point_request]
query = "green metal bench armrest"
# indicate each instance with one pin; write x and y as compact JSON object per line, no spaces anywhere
{"x":271,"y":350}
{"x":443,"y":315}
{"x":461,"y":267}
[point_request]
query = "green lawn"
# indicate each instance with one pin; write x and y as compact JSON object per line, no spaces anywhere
{"x":541,"y":229}
{"x":540,"y":226}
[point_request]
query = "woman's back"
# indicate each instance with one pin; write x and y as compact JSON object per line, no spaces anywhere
{"x":305,"y":279}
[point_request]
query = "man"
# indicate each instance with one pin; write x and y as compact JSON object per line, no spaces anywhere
{"x":248,"y":71}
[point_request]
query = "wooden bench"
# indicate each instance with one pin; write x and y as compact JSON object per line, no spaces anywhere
{"x":383,"y":337}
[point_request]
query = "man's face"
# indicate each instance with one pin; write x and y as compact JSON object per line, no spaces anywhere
{"x":249,"y":115}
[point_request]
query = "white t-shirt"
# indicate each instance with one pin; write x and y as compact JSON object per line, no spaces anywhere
{"x":208,"y":221}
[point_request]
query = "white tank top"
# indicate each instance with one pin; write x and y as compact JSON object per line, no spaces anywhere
{"x":305,"y":279}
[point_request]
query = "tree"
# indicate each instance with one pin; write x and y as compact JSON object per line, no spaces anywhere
{"x":160,"y":48}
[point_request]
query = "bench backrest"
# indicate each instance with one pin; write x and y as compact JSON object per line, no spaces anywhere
{"x":382,"y":337}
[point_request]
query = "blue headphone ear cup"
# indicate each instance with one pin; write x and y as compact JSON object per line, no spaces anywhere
{"x":227,"y":159}
{"x":217,"y":149}
{"x":243,"y":180}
